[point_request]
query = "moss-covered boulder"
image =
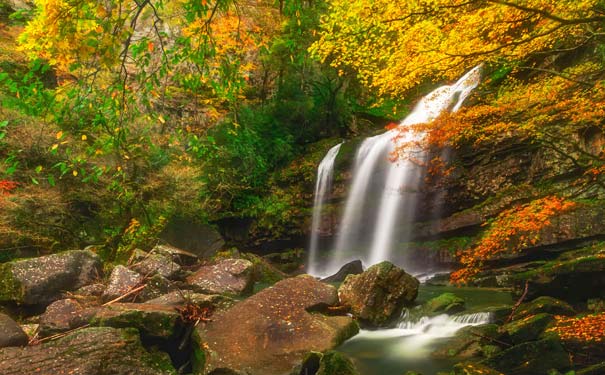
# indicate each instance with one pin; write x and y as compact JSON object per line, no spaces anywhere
{"x":272,"y":331}
{"x":263,"y":271}
{"x":151,"y":320}
{"x":226,"y":276}
{"x":155,"y":263}
{"x":468,"y":342}
{"x":180,"y":298}
{"x":90,"y":351}
{"x":11,"y":334}
{"x":531,"y":358}
{"x":447,"y":303}
{"x":328,"y":363}
{"x":377,"y":295}
{"x":544,"y":304}
{"x":528,"y":328}
{"x":39,"y":281}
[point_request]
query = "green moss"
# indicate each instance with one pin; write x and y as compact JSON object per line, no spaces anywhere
{"x":527,"y":329}
{"x":10,"y":288}
{"x":446,"y":302}
{"x":346,"y":333}
{"x":159,"y":324}
{"x":335,"y":363}
{"x":198,"y":353}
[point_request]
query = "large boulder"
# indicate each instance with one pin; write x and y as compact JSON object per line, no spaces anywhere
{"x":527,"y":329}
{"x":377,"y":295}
{"x":352,"y":268}
{"x":544,"y":304}
{"x":149,"y":319}
{"x":230,"y":276}
{"x":121,"y":281}
{"x":58,"y":317}
{"x":90,"y":351}
{"x":272,"y":331}
{"x":11,"y":334}
{"x":42,"y":280}
{"x":155,"y":263}
{"x":198,"y":238}
{"x":448,"y":303}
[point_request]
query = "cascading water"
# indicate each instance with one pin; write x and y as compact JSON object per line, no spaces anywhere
{"x":323,"y":186}
{"x":384,"y":194}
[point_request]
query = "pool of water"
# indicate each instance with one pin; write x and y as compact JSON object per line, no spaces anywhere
{"x":409,"y":347}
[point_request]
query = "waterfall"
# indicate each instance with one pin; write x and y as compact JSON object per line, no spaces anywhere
{"x":383,"y":196}
{"x":323,"y":186}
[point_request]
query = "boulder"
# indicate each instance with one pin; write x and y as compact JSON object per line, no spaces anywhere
{"x":197,"y":238}
{"x":151,"y":320}
{"x":468,"y":342}
{"x":121,"y":281}
{"x":448,"y":303}
{"x":92,"y":290}
{"x":11,"y":333}
{"x":58,"y":317}
{"x":377,"y":295}
{"x":155,"y":287}
{"x":528,"y":328}
{"x":544,"y":304}
{"x":272,"y":331}
{"x":150,"y":264}
{"x":41,"y":280}
{"x":90,"y":351}
{"x":264,"y":271}
{"x":352,"y":268}
{"x":531,"y":358}
{"x":230,"y":276}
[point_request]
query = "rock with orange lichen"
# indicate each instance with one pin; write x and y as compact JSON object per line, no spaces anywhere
{"x":377,"y":295}
{"x":272,"y":331}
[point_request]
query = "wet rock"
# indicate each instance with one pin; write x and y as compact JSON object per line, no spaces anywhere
{"x":468,"y":342}
{"x":230,"y":276}
{"x":528,"y":328}
{"x":58,"y":317}
{"x":544,"y":304}
{"x":150,"y":264}
{"x":264,"y":272}
{"x":121,"y":281}
{"x":448,"y":303}
{"x":377,"y":295}
{"x":531,"y":358}
{"x":328,"y":363}
{"x":270,"y":332}
{"x":42,"y":280}
{"x":352,"y":268}
{"x":11,"y":333}
{"x":90,"y":351}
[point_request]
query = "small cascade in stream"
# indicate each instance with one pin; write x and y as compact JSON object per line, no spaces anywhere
{"x":383,"y":196}
{"x":323,"y":186}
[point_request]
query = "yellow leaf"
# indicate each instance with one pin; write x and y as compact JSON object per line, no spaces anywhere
{"x":161,"y":119}
{"x":59,"y":135}
{"x":55,"y":146}
{"x":84,"y":137}
{"x":75,"y":173}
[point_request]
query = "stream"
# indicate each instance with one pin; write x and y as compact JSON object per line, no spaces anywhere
{"x":408,"y":346}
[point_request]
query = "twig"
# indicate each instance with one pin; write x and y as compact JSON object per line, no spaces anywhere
{"x":125,"y":295}
{"x":516,"y":306}
{"x":59,"y":335}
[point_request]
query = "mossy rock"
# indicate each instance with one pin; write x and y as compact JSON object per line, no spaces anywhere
{"x":151,"y":320}
{"x":263,"y":271}
{"x":598,"y":369}
{"x":468,"y":342}
{"x":470,"y":368}
{"x":531,"y":358}
{"x":544,"y":304}
{"x":448,"y":303}
{"x":89,"y":351}
{"x":528,"y":328}
{"x":328,"y":363}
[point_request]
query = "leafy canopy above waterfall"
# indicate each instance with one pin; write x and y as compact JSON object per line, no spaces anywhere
{"x":394,"y":46}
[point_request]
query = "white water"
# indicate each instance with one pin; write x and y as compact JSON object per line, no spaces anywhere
{"x":370,"y":231}
{"x":416,"y":337}
{"x":323,"y":187}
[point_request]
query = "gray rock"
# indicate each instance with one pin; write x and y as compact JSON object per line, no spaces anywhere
{"x":90,"y":351}
{"x":149,"y":264}
{"x":377,"y":295}
{"x":121,"y":281}
{"x":92,"y":290}
{"x":232,"y":276}
{"x":11,"y":333}
{"x":155,"y":287}
{"x":42,"y":280}
{"x":181,"y":297}
{"x":58,"y":317}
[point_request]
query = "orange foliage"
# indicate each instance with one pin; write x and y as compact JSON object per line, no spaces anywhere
{"x":511,"y":231}
{"x":7,"y":186}
{"x":590,"y":328}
